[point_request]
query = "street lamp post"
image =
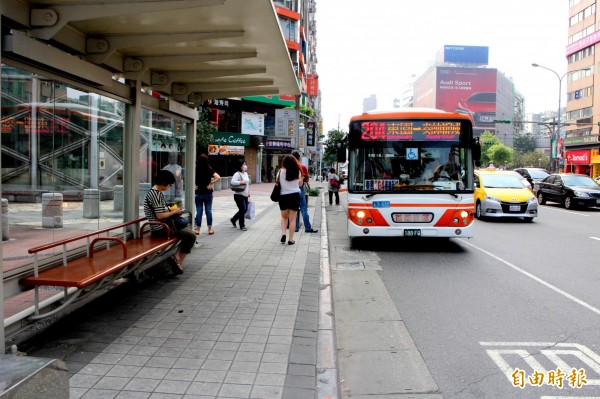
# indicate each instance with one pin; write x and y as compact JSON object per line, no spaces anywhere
{"x":556,"y":131}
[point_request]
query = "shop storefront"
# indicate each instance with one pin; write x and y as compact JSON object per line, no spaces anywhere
{"x":276,"y":149}
{"x":226,"y":150}
{"x":577,"y":161}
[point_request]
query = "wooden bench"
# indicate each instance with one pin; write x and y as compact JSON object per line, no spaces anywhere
{"x":108,"y":258}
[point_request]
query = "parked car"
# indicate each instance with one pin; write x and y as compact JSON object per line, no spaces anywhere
{"x":569,"y":189}
{"x":533,"y":175}
{"x":502,"y":193}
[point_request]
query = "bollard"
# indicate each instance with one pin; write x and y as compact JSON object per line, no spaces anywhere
{"x":225,"y":182}
{"x":4,"y":219}
{"x":218,"y":186}
{"x":91,"y":203}
{"x":144,"y":188}
{"x":52,"y":210}
{"x":118,"y":198}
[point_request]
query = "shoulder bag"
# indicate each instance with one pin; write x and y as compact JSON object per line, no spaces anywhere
{"x":276,"y":193}
{"x":239,"y":188}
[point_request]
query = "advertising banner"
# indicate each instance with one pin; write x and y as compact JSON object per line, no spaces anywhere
{"x":578,"y":157}
{"x":466,"y":54}
{"x":470,"y":91}
{"x":286,"y":121}
{"x":313,"y":85}
{"x":253,"y":123}
{"x":215,"y":149}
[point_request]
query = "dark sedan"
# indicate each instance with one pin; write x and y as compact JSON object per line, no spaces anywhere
{"x":568,"y":189}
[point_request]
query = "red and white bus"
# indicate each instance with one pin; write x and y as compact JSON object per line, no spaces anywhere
{"x":410,"y":174}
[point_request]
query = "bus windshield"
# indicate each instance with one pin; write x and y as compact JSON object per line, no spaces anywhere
{"x":388,"y":165}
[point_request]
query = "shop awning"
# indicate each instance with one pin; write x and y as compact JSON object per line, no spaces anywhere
{"x":190,"y":51}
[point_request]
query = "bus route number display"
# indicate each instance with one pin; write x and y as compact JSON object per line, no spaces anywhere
{"x":407,"y":130}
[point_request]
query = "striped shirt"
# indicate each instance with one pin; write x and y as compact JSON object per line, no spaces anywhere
{"x":155,"y":203}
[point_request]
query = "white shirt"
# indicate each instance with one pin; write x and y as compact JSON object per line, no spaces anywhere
{"x":235,"y":180}
{"x":289,"y":187}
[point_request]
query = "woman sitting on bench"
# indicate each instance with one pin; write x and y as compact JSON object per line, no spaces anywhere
{"x":157,"y":209}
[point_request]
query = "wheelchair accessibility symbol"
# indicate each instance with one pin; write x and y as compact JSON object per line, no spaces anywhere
{"x":412,"y":154}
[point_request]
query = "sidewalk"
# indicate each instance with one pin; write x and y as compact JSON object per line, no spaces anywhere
{"x":249,"y":318}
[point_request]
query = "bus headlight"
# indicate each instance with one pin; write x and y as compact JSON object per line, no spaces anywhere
{"x":360,"y":214}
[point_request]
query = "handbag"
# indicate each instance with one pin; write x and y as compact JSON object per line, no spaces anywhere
{"x":276,"y":193}
{"x":334,"y":183}
{"x":239,"y":188}
{"x":250,"y":211}
{"x":176,"y":222}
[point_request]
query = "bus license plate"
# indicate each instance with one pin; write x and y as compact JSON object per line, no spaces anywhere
{"x":514,"y":208}
{"x":412,"y":233}
{"x":381,"y":204}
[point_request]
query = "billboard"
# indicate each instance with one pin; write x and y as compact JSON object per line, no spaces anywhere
{"x":253,"y":123}
{"x":470,"y":91}
{"x":466,"y":54}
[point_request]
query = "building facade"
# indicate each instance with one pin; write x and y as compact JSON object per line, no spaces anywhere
{"x":581,"y":140}
{"x":283,"y":125}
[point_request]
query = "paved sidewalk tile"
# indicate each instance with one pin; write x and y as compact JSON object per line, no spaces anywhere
{"x":241,"y":322}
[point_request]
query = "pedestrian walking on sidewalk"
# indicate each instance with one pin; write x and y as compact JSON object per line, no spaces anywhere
{"x":303,"y":206}
{"x":241,"y":198}
{"x":157,"y":210}
{"x":206,"y":177}
{"x":290,"y":180}
{"x":333,"y":186}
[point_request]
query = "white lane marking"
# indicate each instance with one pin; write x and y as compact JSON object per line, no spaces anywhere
{"x":595,"y":238}
{"x":565,"y":211}
{"x":535,"y":278}
{"x":556,"y":352}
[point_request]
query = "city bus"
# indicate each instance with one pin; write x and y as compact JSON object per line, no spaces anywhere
{"x":410,"y":174}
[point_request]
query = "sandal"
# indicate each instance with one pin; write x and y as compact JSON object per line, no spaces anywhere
{"x":211,"y":232}
{"x":291,"y":242}
{"x":197,"y":231}
{"x":283,"y":239}
{"x":176,"y":265}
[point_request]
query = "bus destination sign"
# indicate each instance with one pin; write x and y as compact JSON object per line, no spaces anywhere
{"x":406,"y":130}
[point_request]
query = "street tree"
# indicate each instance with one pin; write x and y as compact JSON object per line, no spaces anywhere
{"x":531,"y":159}
{"x":335,"y":139}
{"x":499,"y":154}
{"x":524,"y":143}
{"x":487,"y":140}
{"x":204,"y":131}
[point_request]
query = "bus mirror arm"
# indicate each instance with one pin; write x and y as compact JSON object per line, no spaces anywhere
{"x":476,"y":151}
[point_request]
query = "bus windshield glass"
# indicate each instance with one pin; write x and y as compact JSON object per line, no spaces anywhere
{"x":392,"y":156}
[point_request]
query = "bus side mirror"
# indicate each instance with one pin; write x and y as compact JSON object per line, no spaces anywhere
{"x":341,"y":153}
{"x":476,"y":151}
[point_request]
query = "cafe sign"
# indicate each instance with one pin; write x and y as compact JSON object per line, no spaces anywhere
{"x":231,"y":139}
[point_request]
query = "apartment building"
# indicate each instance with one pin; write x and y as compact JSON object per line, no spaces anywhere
{"x":581,"y":141}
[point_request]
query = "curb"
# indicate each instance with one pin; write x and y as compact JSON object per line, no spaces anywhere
{"x":327,"y":374}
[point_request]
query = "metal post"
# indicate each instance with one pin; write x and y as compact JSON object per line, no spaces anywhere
{"x":260,"y":162}
{"x":556,"y":133}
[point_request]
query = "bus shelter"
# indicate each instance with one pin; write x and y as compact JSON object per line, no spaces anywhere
{"x":99,"y":95}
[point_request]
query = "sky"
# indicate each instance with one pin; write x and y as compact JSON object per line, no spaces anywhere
{"x":373,"y":47}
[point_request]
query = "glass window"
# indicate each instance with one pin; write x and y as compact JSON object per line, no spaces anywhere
{"x":405,"y":165}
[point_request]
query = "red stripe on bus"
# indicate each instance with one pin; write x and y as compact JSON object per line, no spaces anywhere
{"x":454,"y":206}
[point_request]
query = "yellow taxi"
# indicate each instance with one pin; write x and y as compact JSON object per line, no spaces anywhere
{"x":503,"y":193}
